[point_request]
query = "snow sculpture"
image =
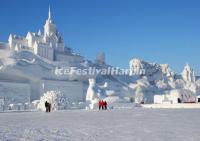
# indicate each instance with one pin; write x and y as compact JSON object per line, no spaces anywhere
{"x":42,"y":43}
{"x":188,"y":74}
{"x":191,"y":86}
{"x":6,"y":59}
{"x":176,"y":96}
{"x":91,"y":96}
{"x":167,"y":71}
{"x":91,"y":90}
{"x":139,"y":96}
{"x":55,"y":98}
{"x":136,"y":67}
{"x":161,"y":85}
{"x":198,"y":87}
{"x":100,"y":58}
{"x":105,"y":85}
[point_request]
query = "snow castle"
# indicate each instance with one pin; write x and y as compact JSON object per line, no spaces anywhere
{"x":41,"y":64}
{"x":48,"y":44}
{"x":28,"y":66}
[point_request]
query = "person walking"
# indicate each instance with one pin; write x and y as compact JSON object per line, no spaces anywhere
{"x":49,"y":107}
{"x":100,"y":105}
{"x":105,"y":105}
{"x":46,"y":106}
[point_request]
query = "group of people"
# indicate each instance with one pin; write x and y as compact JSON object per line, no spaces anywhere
{"x":102,"y":105}
{"x":48,"y":106}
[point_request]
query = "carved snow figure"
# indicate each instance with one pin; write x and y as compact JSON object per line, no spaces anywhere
{"x":167,"y":71}
{"x":55,"y":98}
{"x":91,"y":96}
{"x":139,"y":96}
{"x":160,"y":84}
{"x":188,"y":74}
{"x":6,"y":59}
{"x":136,"y":67}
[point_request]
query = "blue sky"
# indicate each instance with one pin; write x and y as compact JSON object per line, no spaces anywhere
{"x":162,"y":31}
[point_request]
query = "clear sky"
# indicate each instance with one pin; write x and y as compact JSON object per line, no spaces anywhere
{"x":162,"y":31}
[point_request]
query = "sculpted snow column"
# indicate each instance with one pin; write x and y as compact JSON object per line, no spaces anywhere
{"x":139,"y":96}
{"x":91,"y":96}
{"x":188,"y":74}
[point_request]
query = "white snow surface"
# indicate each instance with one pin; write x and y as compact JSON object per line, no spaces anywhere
{"x":136,"y":124}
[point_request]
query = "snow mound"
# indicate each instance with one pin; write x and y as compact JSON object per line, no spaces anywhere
{"x":55,"y":98}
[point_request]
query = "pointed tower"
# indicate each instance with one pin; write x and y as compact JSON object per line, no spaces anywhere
{"x":49,"y":17}
{"x":49,"y":27}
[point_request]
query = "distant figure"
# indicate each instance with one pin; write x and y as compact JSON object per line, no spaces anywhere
{"x":102,"y":104}
{"x":47,"y":106}
{"x":105,"y":105}
{"x":99,"y":105}
{"x":179,"y":100}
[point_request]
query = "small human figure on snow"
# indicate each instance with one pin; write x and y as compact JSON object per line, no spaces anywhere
{"x":105,"y":105}
{"x":48,"y":106}
{"x":102,"y":105}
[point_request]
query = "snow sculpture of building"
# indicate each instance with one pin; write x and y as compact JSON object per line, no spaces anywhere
{"x":175,"y":96}
{"x":27,"y":70}
{"x":188,"y":74}
{"x":48,"y":44}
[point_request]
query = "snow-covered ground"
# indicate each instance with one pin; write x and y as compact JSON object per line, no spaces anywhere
{"x":137,"y":124}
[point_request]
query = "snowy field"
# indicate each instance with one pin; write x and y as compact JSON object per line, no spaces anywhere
{"x":136,"y":124}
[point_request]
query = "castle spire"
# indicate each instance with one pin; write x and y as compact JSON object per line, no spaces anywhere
{"x":49,"y":13}
{"x":49,"y":27}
